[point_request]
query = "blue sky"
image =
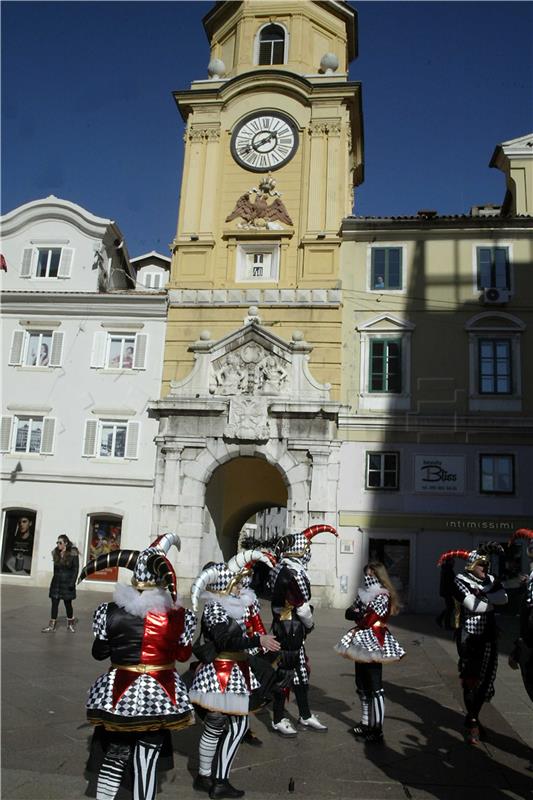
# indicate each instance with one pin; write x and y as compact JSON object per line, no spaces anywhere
{"x":87,"y":111}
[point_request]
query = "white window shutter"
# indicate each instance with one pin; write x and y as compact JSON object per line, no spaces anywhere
{"x":99,"y":348}
{"x":27,"y":259}
{"x":132,"y":439}
{"x":89,"y":438}
{"x":65,"y":264}
{"x":17,"y":348}
{"x":47,"y":438}
{"x":139,"y":359}
{"x":56,"y":354}
{"x":5,"y":434}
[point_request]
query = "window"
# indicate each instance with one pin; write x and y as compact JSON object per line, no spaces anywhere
{"x":36,"y":348}
{"x":493,"y":268}
{"x":154,"y":280}
{"x":271,"y":45}
{"x":104,"y":535}
{"x":46,"y":262}
{"x":494,"y":361}
{"x":111,"y":438}
{"x":495,"y":375}
{"x":382,"y":470}
{"x":119,"y":351}
{"x":17,"y":541}
{"x":385,"y":366}
{"x":386,"y":268}
{"x":496,"y":474}
{"x":257,"y":262}
{"x":31,"y":433}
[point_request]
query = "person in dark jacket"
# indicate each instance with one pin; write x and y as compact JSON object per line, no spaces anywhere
{"x":446,"y":591}
{"x":63,"y":586}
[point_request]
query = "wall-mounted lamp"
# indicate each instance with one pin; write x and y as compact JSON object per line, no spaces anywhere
{"x":194,"y":237}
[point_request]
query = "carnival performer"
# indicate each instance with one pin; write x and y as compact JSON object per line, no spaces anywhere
{"x":522,"y":653}
{"x":476,"y":594}
{"x":224,"y":680}
{"x":292,"y":621}
{"x":141,"y":697}
{"x":370,"y":644}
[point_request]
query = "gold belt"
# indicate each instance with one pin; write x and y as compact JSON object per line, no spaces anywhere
{"x":227,"y":656}
{"x":143,"y":667}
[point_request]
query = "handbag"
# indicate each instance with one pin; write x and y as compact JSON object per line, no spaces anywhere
{"x":205,"y":652}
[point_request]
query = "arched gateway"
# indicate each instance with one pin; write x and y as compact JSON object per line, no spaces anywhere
{"x":247,"y":429}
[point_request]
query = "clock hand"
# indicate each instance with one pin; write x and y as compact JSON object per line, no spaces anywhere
{"x":265,"y":140}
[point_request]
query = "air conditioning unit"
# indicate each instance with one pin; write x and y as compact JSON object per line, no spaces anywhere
{"x":495,"y":297}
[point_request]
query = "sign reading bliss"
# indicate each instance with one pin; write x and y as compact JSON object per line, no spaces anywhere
{"x":440,"y":474}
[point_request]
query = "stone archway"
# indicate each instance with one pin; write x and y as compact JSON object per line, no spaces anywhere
{"x":251,"y":396}
{"x":237,"y":490}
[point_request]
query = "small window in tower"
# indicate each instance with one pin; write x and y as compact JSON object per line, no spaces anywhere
{"x":272,"y":45}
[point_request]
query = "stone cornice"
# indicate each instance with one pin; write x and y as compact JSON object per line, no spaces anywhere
{"x":91,"y":480}
{"x":73,"y":304}
{"x":330,"y":298}
{"x":512,"y":225}
{"x":413,"y":423}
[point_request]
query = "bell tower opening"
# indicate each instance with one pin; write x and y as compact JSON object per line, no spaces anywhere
{"x":236,"y":491}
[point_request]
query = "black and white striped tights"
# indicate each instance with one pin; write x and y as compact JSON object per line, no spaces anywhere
{"x":228,"y":729}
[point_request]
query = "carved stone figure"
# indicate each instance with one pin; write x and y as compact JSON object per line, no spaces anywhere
{"x":248,"y":419}
{"x":272,"y":376}
{"x":230,"y":378}
{"x":260,"y":214}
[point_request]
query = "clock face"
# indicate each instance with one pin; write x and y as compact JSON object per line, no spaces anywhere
{"x":264,"y":141}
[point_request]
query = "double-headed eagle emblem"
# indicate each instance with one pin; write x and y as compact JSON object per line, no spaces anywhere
{"x":260,"y":214}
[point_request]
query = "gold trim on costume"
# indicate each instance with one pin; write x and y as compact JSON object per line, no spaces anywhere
{"x":142,"y":668}
{"x":228,"y":656}
{"x":286,"y":612}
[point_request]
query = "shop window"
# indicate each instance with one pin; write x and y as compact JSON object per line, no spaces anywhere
{"x":104,"y":533}
{"x":18,"y":541}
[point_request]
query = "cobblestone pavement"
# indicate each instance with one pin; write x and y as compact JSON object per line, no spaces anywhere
{"x":45,"y":737}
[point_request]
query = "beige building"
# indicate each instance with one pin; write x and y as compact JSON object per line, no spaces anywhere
{"x":437,"y":339}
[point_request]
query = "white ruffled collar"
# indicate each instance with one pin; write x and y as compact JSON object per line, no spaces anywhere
{"x":234,"y":606}
{"x":139,"y":604}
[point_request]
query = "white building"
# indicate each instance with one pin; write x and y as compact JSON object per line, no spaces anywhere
{"x":82,"y":356}
{"x":152,"y":270}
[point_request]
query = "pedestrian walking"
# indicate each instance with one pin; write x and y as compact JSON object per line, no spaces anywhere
{"x":292,"y":622}
{"x":224,"y":679}
{"x":370,"y":644}
{"x":478,"y":594}
{"x":63,"y":586}
{"x":141,"y":697}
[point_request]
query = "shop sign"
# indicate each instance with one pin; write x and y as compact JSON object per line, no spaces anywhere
{"x":440,"y":474}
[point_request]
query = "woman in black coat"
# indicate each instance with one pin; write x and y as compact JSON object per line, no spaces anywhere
{"x":63,"y":586}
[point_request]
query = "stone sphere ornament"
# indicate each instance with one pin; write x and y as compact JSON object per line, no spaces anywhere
{"x":329,"y":63}
{"x":216,"y":69}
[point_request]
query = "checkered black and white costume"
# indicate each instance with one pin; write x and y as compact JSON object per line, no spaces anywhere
{"x":292,"y":618}
{"x":370,"y":641}
{"x":225,"y":684}
{"x":141,"y":633}
{"x":477,"y":638}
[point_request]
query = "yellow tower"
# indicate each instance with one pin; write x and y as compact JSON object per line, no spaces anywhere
{"x":273,"y":150}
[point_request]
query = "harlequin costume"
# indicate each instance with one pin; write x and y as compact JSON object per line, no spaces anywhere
{"x":292,"y":621}
{"x":370,"y":644}
{"x":522,"y":653}
{"x":143,"y":631}
{"x":476,"y":597}
{"x":224,"y":680}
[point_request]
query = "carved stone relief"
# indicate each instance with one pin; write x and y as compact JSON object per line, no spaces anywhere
{"x":248,"y":419}
{"x":251,"y":370}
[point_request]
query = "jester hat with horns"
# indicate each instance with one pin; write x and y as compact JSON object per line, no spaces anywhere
{"x":524,"y":533}
{"x":151,"y":567}
{"x":298,"y":545}
{"x":472,"y":557}
{"x":221,"y":578}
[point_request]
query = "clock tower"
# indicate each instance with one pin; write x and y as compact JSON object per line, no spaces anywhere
{"x":252,"y":369}
{"x":273,"y":151}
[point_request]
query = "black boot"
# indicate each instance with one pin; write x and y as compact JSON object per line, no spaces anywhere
{"x":202,"y":783}
{"x":224,"y":789}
